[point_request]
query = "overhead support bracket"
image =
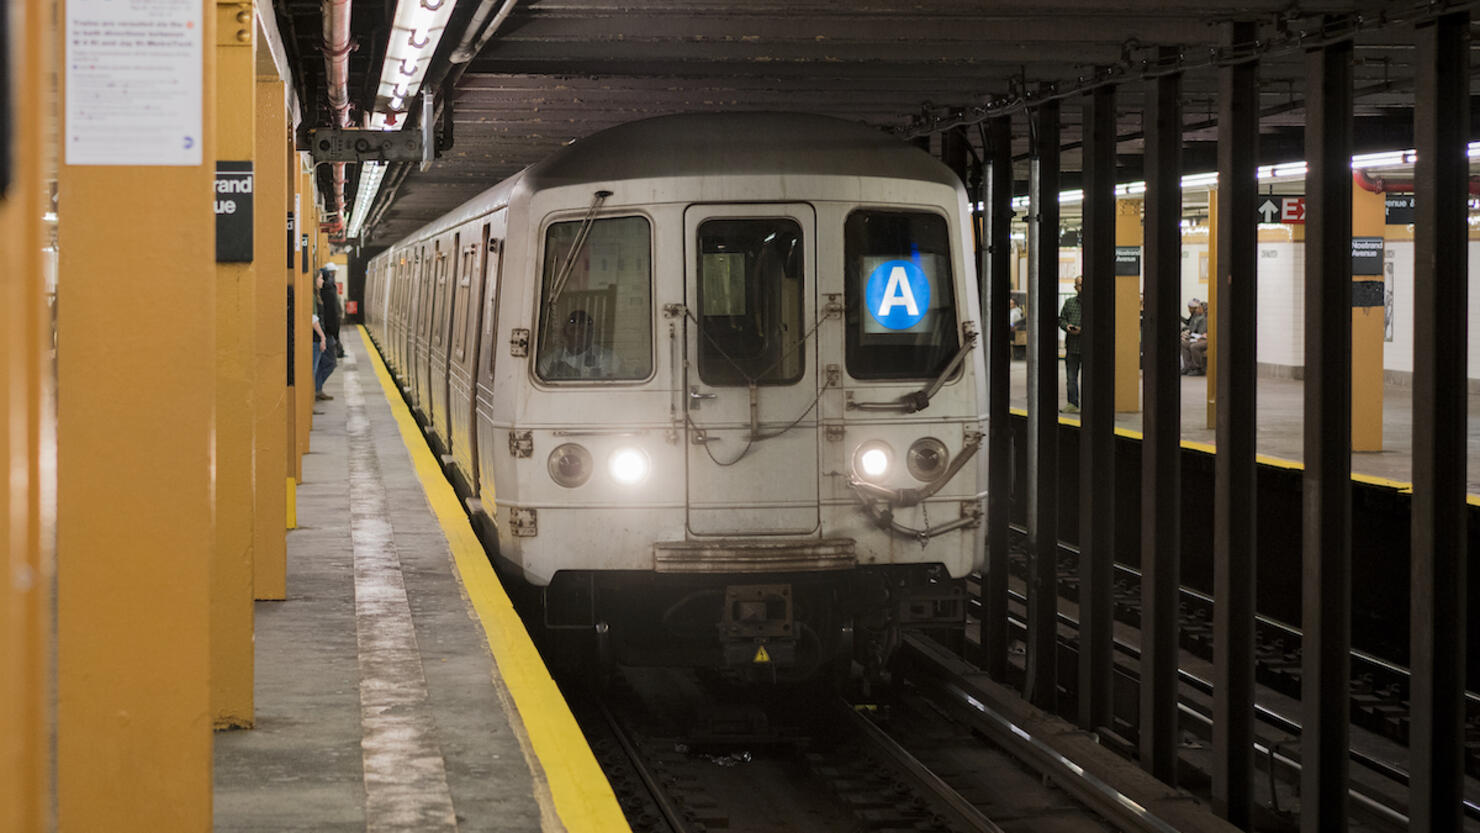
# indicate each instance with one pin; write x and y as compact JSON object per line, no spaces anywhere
{"x":352,"y":144}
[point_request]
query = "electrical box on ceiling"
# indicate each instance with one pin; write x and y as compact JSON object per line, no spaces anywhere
{"x":352,"y":144}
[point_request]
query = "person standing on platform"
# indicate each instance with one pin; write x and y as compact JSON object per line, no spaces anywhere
{"x":323,"y":342}
{"x":329,"y":302}
{"x":1070,"y":318}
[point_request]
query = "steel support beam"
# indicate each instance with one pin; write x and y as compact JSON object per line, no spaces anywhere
{"x":997,"y":275}
{"x":1437,"y":690}
{"x":1097,"y":431}
{"x":1041,"y":684}
{"x":1235,"y":491}
{"x":1326,"y":588}
{"x":1161,"y":462}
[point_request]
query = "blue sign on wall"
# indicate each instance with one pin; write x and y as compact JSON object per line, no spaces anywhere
{"x":897,"y":294}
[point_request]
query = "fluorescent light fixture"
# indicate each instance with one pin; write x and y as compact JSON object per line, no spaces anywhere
{"x":416,"y":30}
{"x":1379,"y":160}
{"x":370,"y":176}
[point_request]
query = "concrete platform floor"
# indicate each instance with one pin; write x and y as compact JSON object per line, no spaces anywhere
{"x":1281,"y":408}
{"x":375,"y":709}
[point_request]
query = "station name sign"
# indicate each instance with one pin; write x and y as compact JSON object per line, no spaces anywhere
{"x":233,"y":203}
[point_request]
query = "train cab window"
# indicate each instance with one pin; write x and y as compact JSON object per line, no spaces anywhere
{"x":901,"y":309}
{"x":751,"y":292}
{"x":596,"y":305}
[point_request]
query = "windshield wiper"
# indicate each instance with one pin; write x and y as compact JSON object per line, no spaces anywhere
{"x":920,"y":400}
{"x":557,"y":286}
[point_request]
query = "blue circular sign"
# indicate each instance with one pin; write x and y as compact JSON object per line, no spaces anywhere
{"x":897,"y":294}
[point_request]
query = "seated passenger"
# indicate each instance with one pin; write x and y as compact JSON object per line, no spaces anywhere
{"x":578,"y":356}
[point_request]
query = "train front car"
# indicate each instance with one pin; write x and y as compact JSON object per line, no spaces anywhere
{"x":748,"y":429}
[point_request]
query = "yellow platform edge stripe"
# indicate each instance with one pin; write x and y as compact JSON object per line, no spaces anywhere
{"x":583,"y":798}
{"x":1400,"y":486}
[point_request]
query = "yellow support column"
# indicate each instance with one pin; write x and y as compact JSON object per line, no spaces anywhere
{"x":1368,"y":328}
{"x":25,"y":389}
{"x":308,"y":224}
{"x":136,"y":399}
{"x":269,"y":545}
{"x":294,"y":448}
{"x":1128,"y":311}
{"x":1212,"y":369}
{"x":236,"y":304}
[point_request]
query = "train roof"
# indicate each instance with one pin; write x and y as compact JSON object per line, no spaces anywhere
{"x":736,"y":144}
{"x":712,"y":144}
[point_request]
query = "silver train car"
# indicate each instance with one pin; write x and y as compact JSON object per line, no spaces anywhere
{"x":708,"y":385}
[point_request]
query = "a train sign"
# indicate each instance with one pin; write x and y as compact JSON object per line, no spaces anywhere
{"x":1288,"y":209}
{"x":897,"y":294}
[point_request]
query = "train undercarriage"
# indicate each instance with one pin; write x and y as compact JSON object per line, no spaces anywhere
{"x":776,"y":626}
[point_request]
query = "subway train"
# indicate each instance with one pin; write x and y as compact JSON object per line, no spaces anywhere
{"x":708,"y":385}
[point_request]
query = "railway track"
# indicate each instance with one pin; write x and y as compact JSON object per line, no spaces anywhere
{"x":1378,"y":689}
{"x":685,"y":756}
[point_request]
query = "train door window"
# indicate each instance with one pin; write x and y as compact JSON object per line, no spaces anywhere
{"x":463,"y":298}
{"x":751,"y":296}
{"x":439,"y":298}
{"x":901,"y":315}
{"x":596,"y":306}
{"x":492,"y":271}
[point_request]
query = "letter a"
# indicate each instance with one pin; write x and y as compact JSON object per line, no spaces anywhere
{"x":897,"y":292}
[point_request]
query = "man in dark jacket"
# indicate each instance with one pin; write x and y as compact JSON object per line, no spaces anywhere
{"x":1071,"y":318}
{"x":329,"y":308}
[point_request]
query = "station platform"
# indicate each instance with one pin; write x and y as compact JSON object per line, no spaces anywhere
{"x":1281,"y":427}
{"x":396,"y":688}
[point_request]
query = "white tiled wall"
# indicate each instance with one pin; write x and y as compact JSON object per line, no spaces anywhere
{"x":1282,"y":306}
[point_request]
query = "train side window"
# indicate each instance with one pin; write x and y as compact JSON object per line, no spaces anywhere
{"x":900,"y":304}
{"x":597,"y":322}
{"x":750,"y":301}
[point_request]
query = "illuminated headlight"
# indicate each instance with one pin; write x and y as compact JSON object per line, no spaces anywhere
{"x":927,"y":459}
{"x":629,"y":465}
{"x":872,"y":460}
{"x":570,"y":465}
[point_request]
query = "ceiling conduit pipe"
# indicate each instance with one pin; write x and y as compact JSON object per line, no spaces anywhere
{"x":336,"y":47}
{"x":475,"y":37}
{"x":1380,"y":185}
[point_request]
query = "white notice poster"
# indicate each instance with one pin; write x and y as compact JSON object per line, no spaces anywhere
{"x":133,"y":70}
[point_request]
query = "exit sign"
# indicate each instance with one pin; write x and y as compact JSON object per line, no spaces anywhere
{"x":1288,"y":209}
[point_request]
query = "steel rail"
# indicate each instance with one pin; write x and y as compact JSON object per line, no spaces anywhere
{"x":671,"y":814}
{"x":1471,"y":697}
{"x":963,"y":812}
{"x":1270,"y":717}
{"x":1117,"y":807}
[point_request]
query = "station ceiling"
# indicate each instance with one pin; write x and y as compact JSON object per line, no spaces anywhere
{"x":557,"y":70}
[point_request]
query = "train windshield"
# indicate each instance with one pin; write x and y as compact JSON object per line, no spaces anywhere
{"x":596,"y":304}
{"x":901,"y":308}
{"x":750,"y":302}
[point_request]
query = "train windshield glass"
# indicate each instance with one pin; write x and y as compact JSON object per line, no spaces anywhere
{"x":901,"y":309}
{"x":597,"y":323}
{"x":751,"y":282}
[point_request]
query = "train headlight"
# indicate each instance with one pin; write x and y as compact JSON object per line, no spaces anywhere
{"x":629,"y":465}
{"x":927,"y":459}
{"x":872,"y":460}
{"x":570,"y":465}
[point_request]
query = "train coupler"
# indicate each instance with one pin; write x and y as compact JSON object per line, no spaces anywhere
{"x":757,"y":627}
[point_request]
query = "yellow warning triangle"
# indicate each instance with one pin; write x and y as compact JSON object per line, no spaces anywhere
{"x":761,"y":655}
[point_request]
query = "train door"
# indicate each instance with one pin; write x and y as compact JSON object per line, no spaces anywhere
{"x":751,"y":383}
{"x":466,"y":339}
{"x":430,"y":277}
{"x":486,"y":428}
{"x":444,"y":310}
